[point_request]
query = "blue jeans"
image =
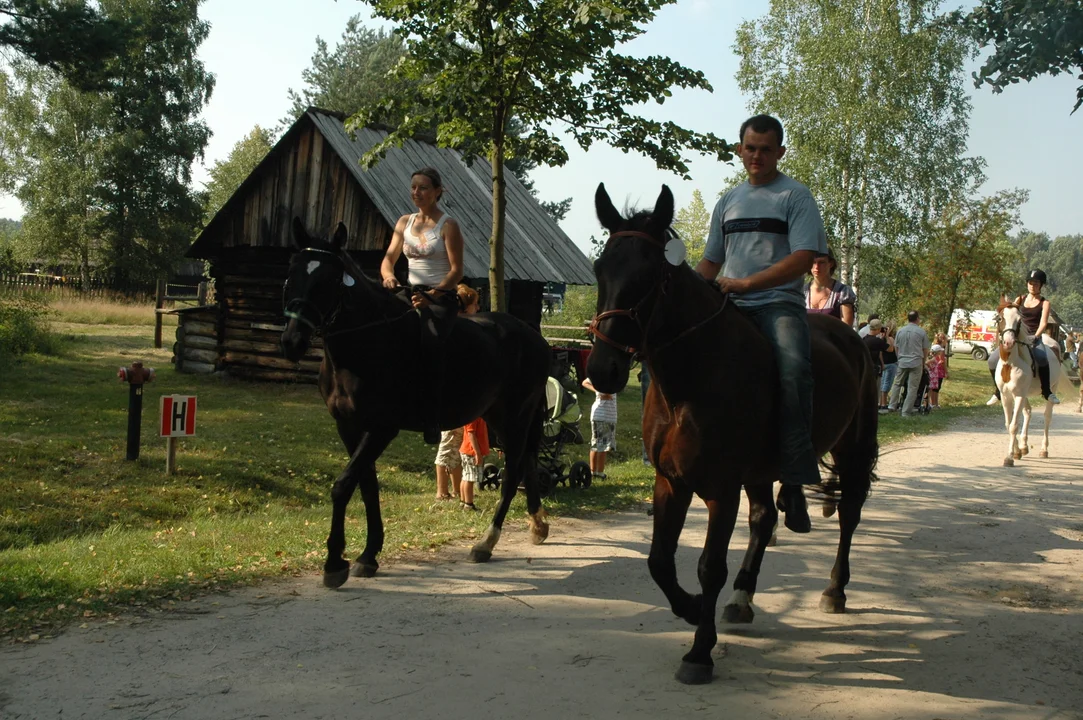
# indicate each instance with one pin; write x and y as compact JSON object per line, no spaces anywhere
{"x":888,"y":378}
{"x":786,"y":327}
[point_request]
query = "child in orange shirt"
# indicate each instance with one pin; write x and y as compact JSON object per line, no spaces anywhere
{"x":473,"y":450}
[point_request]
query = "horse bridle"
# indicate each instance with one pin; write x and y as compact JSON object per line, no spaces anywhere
{"x":633,"y":312}
{"x":294,"y":309}
{"x":1014,"y":328}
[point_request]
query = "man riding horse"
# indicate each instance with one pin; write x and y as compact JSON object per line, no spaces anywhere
{"x":764,"y":236}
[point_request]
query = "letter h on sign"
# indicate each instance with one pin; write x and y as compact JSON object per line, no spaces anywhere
{"x":178,"y":416}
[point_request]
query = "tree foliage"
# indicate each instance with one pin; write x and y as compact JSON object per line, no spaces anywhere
{"x":964,"y":259}
{"x":227,"y":175}
{"x":154,"y":137}
{"x":546,"y":63}
{"x":692,"y":223}
{"x":1062,"y":260}
{"x":72,"y":37}
{"x":105,"y":175}
{"x":871,"y":96}
{"x":356,"y":74}
{"x":1029,"y":38}
{"x":60,"y":132}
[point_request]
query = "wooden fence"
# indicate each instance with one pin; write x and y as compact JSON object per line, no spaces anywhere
{"x":55,"y":288}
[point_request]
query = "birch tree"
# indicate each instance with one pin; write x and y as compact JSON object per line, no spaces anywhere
{"x":870,"y":93}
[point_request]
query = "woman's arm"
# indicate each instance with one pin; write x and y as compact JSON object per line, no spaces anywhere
{"x":394,"y":249}
{"x":453,"y":241}
{"x":847,"y":314}
{"x":588,"y":386}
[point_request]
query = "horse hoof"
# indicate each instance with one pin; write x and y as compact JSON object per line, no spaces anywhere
{"x":539,"y":534}
{"x":1008,"y":462}
{"x":833,"y":604}
{"x":364,"y":570}
{"x":738,"y":614}
{"x":1018,"y":455}
{"x":829,"y":508}
{"x":1024,"y":451}
{"x":694,"y":673}
{"x":480,"y":555}
{"x":1043,"y":454}
{"x":335,"y":579}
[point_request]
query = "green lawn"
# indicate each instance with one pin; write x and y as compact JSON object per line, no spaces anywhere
{"x":83,"y":531}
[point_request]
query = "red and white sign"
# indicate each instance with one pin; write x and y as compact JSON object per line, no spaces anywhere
{"x":178,"y":416}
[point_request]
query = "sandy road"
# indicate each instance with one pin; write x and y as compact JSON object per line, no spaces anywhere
{"x":966,"y":602}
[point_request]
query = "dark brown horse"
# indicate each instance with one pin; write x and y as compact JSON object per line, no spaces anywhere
{"x":710,"y":416}
{"x":494,"y":364}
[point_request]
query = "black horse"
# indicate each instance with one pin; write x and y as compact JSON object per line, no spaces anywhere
{"x":494,"y":366}
{"x":710,"y":416}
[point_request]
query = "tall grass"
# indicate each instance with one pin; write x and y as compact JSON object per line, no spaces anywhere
{"x":108,"y":312}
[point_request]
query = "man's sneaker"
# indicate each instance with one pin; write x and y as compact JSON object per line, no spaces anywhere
{"x":993,"y":400}
{"x":884,"y":410}
{"x":1053,"y":399}
{"x":794,"y":506}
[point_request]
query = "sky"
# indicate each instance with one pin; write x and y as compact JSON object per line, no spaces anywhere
{"x":257,"y":50}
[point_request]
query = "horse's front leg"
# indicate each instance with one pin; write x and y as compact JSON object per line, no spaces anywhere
{"x":670,"y":511}
{"x":1024,"y":444}
{"x":697,"y":666}
{"x":762,"y":518}
{"x":1011,"y":415}
{"x":360,"y":470}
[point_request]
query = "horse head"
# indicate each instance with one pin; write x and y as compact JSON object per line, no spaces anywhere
{"x":315,"y":285}
{"x":1009,"y":323}
{"x":631,"y":273}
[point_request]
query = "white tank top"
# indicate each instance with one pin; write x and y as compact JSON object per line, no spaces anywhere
{"x":426,"y":255}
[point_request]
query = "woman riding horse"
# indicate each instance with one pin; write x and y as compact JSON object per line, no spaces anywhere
{"x":709,"y":421}
{"x":372,"y":356}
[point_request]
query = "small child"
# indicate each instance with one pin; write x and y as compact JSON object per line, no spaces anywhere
{"x":938,"y":370}
{"x":474,"y":449}
{"x":603,"y":429}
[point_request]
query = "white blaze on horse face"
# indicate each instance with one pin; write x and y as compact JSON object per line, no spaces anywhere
{"x":347,"y":279}
{"x":312,"y":265}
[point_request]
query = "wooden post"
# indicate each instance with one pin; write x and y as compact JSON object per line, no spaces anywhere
{"x":159,"y":303}
{"x":171,"y":456}
{"x":201,"y":300}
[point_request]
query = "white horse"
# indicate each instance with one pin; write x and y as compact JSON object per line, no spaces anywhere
{"x":1016,"y":380}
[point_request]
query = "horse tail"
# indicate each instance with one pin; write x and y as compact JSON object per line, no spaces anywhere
{"x":858,"y":461}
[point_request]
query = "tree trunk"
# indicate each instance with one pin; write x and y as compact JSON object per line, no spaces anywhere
{"x":497,"y":301}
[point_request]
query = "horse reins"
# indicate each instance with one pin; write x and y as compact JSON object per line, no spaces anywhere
{"x":633,"y":313}
{"x":294,"y":308}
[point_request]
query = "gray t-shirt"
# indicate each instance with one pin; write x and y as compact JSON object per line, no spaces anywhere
{"x":911,"y":344}
{"x":755,"y":226}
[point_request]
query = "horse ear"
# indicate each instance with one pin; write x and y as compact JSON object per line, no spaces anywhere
{"x":299,"y":237}
{"x":608,"y":216}
{"x":339,"y":239}
{"x":662,"y":216}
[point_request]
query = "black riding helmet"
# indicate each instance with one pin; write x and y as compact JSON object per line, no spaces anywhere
{"x":1037,"y":276}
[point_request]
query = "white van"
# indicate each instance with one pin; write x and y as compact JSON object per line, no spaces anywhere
{"x":973,"y":332}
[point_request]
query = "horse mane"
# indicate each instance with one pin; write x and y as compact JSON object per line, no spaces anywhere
{"x":1006,"y":303}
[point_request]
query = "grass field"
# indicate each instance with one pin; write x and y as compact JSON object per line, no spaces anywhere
{"x":82,"y":531}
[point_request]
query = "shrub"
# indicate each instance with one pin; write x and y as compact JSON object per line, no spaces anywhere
{"x":24,"y":327}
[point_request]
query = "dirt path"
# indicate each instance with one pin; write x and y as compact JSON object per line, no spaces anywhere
{"x":966,"y":602}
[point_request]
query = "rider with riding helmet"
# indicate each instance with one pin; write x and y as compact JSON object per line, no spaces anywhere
{"x":763,"y":237}
{"x":1035,"y":310}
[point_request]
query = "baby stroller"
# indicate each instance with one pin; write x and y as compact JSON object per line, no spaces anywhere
{"x":559,"y":428}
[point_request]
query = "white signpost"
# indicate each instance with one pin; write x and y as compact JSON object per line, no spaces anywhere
{"x":178,"y":419}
